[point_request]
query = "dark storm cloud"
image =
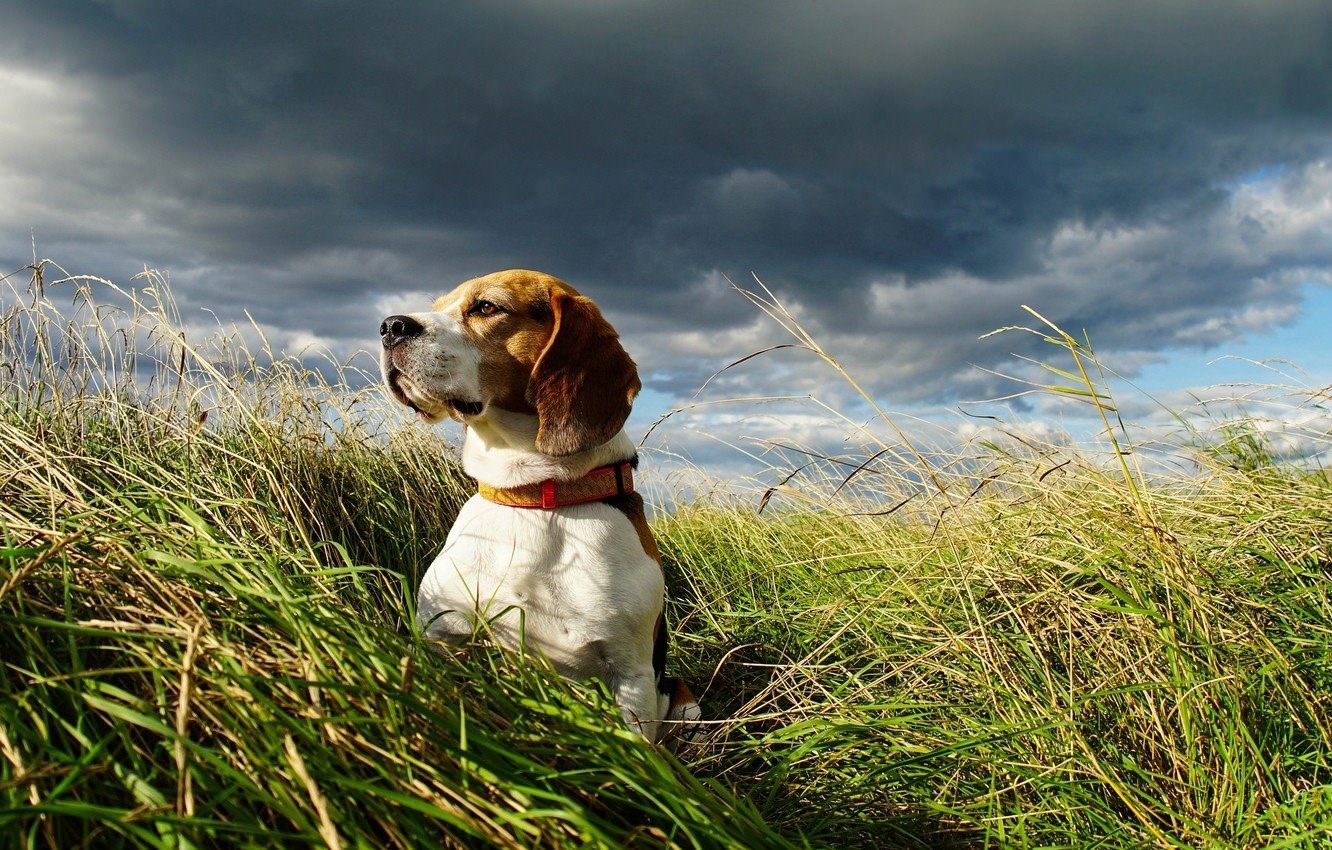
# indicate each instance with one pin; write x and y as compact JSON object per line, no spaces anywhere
{"x":310,"y":162}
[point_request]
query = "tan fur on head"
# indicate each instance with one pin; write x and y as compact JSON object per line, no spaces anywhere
{"x":518,"y":341}
{"x":584,"y":383}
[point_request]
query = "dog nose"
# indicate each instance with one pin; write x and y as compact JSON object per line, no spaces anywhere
{"x":398,"y":329}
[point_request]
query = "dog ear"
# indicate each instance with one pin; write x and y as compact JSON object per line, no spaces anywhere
{"x":583,"y":383}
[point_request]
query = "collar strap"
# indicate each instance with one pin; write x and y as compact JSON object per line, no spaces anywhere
{"x":616,"y":479}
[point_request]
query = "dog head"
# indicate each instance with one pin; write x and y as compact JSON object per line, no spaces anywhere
{"x":520,"y":341}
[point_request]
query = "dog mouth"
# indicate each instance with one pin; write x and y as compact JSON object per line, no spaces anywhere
{"x":394,"y":379}
{"x":466,"y":408}
{"x":462,"y":407}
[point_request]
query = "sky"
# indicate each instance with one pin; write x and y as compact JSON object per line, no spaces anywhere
{"x":904,"y":177}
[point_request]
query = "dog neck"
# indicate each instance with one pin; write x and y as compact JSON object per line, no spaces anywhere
{"x":500,"y":450}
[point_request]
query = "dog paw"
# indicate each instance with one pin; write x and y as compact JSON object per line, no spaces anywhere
{"x":681,"y":714}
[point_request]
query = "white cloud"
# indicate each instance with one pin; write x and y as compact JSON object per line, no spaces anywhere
{"x":1198,"y":284}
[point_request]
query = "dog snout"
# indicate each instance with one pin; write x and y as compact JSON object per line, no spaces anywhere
{"x":396,"y":330}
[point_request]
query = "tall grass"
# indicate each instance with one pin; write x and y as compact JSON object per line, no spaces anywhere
{"x":1028,"y":645}
{"x":209,"y":555}
{"x":208,"y":572}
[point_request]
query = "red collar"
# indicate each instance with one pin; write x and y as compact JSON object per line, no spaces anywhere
{"x":616,"y":479}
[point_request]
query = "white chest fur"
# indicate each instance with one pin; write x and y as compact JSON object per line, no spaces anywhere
{"x":573,"y":584}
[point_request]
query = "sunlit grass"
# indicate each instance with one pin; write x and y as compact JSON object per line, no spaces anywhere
{"x":208,"y":557}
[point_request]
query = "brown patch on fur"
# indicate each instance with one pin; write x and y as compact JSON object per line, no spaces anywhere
{"x":506,"y":363}
{"x":549,"y":351}
{"x":584,"y":382}
{"x":679,"y":696}
{"x":511,"y":341}
{"x":631,"y":505}
{"x":680,"y":693}
{"x":659,"y":646}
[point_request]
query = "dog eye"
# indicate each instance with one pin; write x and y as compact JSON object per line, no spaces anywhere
{"x":485,"y":308}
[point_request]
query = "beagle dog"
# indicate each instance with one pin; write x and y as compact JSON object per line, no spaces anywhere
{"x":554,"y":552}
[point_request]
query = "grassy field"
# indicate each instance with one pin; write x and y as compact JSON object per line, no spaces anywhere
{"x":208,"y":558}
